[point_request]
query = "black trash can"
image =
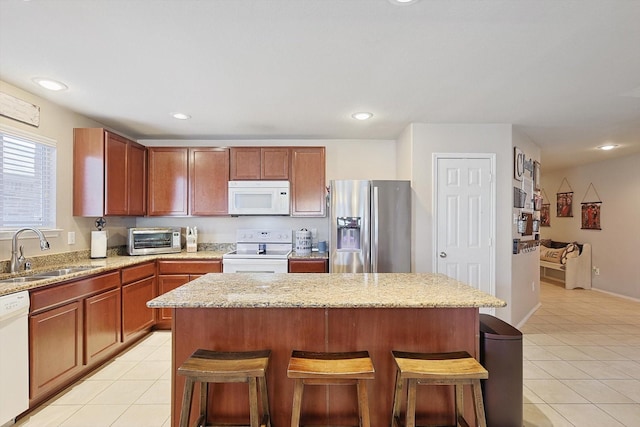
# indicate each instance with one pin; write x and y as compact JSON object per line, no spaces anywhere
{"x":501,"y":355}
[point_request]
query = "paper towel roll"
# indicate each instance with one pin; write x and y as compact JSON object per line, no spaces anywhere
{"x":99,"y":244}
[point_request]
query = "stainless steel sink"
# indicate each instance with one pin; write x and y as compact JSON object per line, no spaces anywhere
{"x":21,"y":279}
{"x":46,"y":274}
{"x":61,"y":272}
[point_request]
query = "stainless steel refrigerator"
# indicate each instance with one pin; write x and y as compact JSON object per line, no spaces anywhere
{"x":370,"y":227}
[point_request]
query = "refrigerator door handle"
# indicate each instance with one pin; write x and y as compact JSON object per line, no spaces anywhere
{"x":374,"y":229}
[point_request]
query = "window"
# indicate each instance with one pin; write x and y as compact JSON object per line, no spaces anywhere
{"x":27,"y":180}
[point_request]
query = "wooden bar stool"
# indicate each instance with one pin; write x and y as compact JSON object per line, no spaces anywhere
{"x":351,"y":368}
{"x":457,"y":369}
{"x":205,"y":366}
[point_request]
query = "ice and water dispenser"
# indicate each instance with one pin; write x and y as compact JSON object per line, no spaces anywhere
{"x":349,"y":232}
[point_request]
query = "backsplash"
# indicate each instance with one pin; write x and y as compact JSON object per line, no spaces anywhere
{"x":78,"y":256}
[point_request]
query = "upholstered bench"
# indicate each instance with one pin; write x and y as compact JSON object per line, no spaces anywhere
{"x":572,"y":260}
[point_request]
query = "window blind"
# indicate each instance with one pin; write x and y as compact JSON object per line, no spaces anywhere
{"x":27,"y":181}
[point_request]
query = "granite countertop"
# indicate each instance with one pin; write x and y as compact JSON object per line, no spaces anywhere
{"x":312,"y":255}
{"x":112,"y":262}
{"x":325,"y":290}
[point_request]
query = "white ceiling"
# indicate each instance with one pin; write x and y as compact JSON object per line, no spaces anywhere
{"x":565,"y":73}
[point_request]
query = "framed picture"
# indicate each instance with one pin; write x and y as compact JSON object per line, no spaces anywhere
{"x":591,"y":216}
{"x":564,"y":204}
{"x":545,"y":215}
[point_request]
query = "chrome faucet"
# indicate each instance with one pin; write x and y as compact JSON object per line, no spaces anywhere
{"x":18,"y":261}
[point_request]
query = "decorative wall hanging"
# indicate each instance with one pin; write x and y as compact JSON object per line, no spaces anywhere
{"x":536,"y":176}
{"x":537,"y":202}
{"x":518,"y":163}
{"x":19,"y":110}
{"x":527,"y":187}
{"x":564,"y":201}
{"x":518,"y":197}
{"x":591,"y":211}
{"x":545,"y":215}
{"x":545,"y":210}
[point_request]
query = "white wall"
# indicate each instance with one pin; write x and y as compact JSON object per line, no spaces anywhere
{"x":56,"y":123}
{"x":525,"y":267}
{"x":617,"y":182}
{"x":422,"y":140}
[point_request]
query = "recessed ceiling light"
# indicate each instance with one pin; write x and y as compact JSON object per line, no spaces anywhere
{"x":402,"y":2}
{"x":363,"y":115}
{"x":180,"y":116}
{"x":50,"y":84}
{"x":607,"y":147}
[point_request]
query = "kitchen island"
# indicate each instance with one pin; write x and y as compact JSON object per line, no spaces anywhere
{"x":324,"y":312}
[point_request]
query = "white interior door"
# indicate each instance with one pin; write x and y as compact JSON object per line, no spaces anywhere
{"x":464,"y":226}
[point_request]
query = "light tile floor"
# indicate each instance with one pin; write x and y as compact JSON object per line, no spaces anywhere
{"x":581,"y":368}
{"x":582,"y":360}
{"x":133,"y":390}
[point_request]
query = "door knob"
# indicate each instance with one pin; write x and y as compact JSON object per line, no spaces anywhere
{"x":443,"y":254}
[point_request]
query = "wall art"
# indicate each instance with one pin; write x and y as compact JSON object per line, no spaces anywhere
{"x":591,"y":216}
{"x":564,"y":200}
{"x":17,"y":109}
{"x":591,"y":210}
{"x":564,"y":204}
{"x":545,"y":215}
{"x":518,"y":163}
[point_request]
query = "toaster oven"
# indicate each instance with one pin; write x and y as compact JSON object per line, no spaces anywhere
{"x":149,"y":241}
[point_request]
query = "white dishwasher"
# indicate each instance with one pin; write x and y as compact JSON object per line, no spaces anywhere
{"x":14,"y":356}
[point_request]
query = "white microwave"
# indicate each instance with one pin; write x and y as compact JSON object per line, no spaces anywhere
{"x":258,"y":197}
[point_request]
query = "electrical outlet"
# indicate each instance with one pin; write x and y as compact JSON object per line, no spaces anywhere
{"x":596,"y":271}
{"x":71,"y":238}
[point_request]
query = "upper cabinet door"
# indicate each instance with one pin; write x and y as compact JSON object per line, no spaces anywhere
{"x":308,"y":193}
{"x":137,"y":174}
{"x":109,"y":174}
{"x":208,"y":181}
{"x":168,"y":181}
{"x":115,"y":164}
{"x":255,"y":163}
{"x":274,"y":163}
{"x":244,"y":163}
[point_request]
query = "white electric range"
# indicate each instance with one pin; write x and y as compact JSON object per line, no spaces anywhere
{"x":259,"y":251}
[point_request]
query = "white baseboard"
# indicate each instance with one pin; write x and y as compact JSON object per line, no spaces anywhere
{"x":533,"y":310}
{"x":616,"y":295}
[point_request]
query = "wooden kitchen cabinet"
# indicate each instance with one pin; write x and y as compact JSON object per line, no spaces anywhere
{"x":174,"y":273}
{"x":319,"y":265}
{"x":102,"y":325}
{"x":138,"y":287}
{"x":208,"y":181}
{"x":55,"y":349}
{"x":72,"y":327}
{"x":168,"y":181}
{"x":256,"y":163}
{"x":188,"y":181}
{"x":308,"y":192}
{"x":109,"y":174}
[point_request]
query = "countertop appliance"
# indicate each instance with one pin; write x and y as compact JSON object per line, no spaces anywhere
{"x":14,"y":355}
{"x":154,"y":240}
{"x":370,"y":226}
{"x":259,"y":198}
{"x":259,"y":251}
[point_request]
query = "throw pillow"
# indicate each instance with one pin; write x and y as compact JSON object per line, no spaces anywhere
{"x":551,"y":255}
